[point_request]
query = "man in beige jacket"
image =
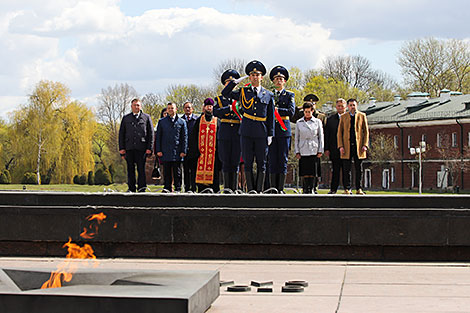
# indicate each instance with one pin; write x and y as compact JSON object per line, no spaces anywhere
{"x":353,"y":142}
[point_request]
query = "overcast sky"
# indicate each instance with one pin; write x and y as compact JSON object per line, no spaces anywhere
{"x":89,"y":45}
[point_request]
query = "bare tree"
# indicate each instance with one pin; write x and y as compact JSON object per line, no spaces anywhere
{"x":354,"y":70}
{"x":153,"y":104}
{"x":114,"y":104}
{"x":454,"y":159}
{"x":458,"y":52}
{"x":382,"y":150}
{"x":425,"y":65}
{"x":236,"y":64}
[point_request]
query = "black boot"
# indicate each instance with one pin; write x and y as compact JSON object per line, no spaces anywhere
{"x":309,"y":185}
{"x":273,"y":180}
{"x":305,"y":185}
{"x":260,"y":181}
{"x":227,"y":180}
{"x":249,"y":181}
{"x":315,"y":184}
{"x":282,"y":180}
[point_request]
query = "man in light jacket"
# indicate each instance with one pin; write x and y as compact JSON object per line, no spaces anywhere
{"x":353,"y":142}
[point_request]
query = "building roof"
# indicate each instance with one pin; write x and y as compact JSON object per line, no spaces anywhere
{"x":418,"y":108}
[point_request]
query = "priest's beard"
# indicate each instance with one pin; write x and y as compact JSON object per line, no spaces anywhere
{"x":208,"y":116}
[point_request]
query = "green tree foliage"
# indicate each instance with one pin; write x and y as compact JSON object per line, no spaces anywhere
{"x":82,"y":180}
{"x":153,"y":105}
{"x":53,"y":134}
{"x":179,"y":94}
{"x":102,"y":177}
{"x":76,"y":179}
{"x":3,"y":179}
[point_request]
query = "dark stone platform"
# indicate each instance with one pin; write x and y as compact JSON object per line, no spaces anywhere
{"x":294,"y":227}
{"x":93,"y":290}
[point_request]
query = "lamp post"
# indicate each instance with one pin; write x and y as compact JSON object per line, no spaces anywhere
{"x":420,"y":149}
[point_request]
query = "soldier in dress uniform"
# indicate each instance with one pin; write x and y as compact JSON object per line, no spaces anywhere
{"x":284,"y":102}
{"x":257,"y":126}
{"x":228,"y":137}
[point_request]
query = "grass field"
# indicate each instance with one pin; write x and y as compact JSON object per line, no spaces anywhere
{"x":153,"y":188}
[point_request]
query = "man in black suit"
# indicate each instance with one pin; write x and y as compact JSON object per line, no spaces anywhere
{"x":331,"y":144}
{"x":136,"y":138}
{"x":189,"y":165}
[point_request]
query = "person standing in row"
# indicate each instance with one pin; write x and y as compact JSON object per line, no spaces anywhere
{"x":228,"y":136}
{"x":353,"y":143}
{"x":189,"y":165}
{"x":136,"y":144}
{"x":308,"y":146}
{"x":284,"y":109}
{"x":257,"y":126}
{"x":171,"y":146}
{"x":203,"y":148}
{"x":331,"y":144}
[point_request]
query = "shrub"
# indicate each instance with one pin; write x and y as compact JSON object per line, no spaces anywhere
{"x":29,"y":178}
{"x":3,"y":179}
{"x":8,"y":176}
{"x":91,"y":178}
{"x":76,"y":179}
{"x":102,"y":177}
{"x":45,"y":179}
{"x":83,"y":179}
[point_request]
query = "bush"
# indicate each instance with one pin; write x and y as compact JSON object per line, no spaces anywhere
{"x":102,"y":177}
{"x":112,"y":172}
{"x":8,"y":176}
{"x":45,"y":179}
{"x":83,"y":179}
{"x":91,"y":178}
{"x":76,"y":179}
{"x":29,"y":179}
{"x":3,"y":179}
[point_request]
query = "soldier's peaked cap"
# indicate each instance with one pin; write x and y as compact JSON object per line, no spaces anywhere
{"x":229,"y":74}
{"x":279,"y":71}
{"x":311,"y":98}
{"x":255,"y":66}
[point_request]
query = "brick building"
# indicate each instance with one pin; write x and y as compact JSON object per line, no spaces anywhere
{"x":443,"y":123}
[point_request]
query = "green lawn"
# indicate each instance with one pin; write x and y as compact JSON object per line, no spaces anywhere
{"x":153,"y":188}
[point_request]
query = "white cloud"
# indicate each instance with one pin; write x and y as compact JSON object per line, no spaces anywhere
{"x":89,"y":45}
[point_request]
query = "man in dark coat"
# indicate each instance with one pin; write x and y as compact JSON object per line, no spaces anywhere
{"x":136,"y":144}
{"x":171,"y":146}
{"x":203,"y":149}
{"x":331,"y":144}
{"x":189,"y":167}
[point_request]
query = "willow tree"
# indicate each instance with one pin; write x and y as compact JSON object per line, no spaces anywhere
{"x":51,"y":135}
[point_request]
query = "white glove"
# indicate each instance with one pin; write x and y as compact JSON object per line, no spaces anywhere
{"x":237,"y":81}
{"x":270,"y":140}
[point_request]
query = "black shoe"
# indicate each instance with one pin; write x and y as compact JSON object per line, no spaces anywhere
{"x":260,"y":181}
{"x":331,"y":192}
{"x":249,"y":181}
{"x":281,"y":182}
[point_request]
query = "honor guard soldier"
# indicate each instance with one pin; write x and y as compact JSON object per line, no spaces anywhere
{"x":228,"y":137}
{"x":284,"y":102}
{"x":257,"y":126}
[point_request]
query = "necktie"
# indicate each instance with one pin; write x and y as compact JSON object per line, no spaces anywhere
{"x":256,"y":91}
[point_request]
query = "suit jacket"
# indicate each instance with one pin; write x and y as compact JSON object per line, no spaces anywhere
{"x":285,"y":105}
{"x":258,"y":115}
{"x":190,"y":123}
{"x":136,"y":133}
{"x":362,"y":134}
{"x":331,"y":138}
{"x":171,"y":138}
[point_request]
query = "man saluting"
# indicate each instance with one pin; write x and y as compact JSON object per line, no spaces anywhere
{"x":257,"y":126}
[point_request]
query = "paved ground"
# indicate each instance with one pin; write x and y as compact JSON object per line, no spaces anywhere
{"x":343,"y":287}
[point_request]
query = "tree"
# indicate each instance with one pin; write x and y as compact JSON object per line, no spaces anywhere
{"x":236,"y":64}
{"x":353,"y":70}
{"x":454,"y":159}
{"x":153,"y":105}
{"x":430,"y":65}
{"x":382,"y":150}
{"x":115,"y":102}
{"x":179,"y":94}
{"x":36,"y":131}
{"x":7,"y":156}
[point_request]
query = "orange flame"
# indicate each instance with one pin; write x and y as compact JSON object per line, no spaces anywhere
{"x":92,"y":230}
{"x":66,"y":269}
